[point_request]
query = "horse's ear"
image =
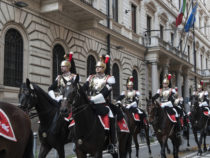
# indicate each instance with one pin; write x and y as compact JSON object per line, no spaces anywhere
{"x":28,"y":83}
{"x":76,"y":79}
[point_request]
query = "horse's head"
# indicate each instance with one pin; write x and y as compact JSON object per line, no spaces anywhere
{"x":152,"y":110}
{"x":27,"y":96}
{"x":194,"y":103}
{"x":71,"y":96}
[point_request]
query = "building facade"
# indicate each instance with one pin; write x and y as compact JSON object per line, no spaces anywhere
{"x":139,"y":35}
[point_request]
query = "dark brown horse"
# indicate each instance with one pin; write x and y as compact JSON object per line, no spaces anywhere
{"x":135,"y":129}
{"x":199,"y":122}
{"x":90,"y":136}
{"x":21,"y":125}
{"x":163,"y":127}
{"x":53,"y":129}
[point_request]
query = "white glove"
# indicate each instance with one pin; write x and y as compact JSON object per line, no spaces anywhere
{"x":52,"y":94}
{"x":59,"y":98}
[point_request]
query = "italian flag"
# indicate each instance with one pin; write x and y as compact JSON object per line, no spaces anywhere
{"x":181,"y":13}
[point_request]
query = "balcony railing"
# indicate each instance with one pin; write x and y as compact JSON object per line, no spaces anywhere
{"x":88,"y":2}
{"x":205,"y":73}
{"x":155,"y":41}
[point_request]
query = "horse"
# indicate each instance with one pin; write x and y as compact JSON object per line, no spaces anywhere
{"x":135,"y":129}
{"x":53,"y":130}
{"x":90,"y":136}
{"x":22,"y":147}
{"x":199,"y":122}
{"x":163,"y":127}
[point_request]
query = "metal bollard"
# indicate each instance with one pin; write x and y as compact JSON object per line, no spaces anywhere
{"x":35,"y":144}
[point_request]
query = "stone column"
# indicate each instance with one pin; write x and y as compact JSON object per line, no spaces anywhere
{"x":178,"y":81}
{"x":155,"y":84}
{"x":186,"y":90}
{"x":166,"y":66}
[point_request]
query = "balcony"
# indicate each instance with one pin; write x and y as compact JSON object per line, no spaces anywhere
{"x":79,"y":14}
{"x":155,"y":41}
{"x":205,"y":73}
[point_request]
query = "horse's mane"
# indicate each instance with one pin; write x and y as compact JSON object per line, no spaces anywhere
{"x":42,"y":94}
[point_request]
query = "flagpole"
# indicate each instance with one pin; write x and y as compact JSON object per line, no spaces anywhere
{"x":186,"y":42}
{"x":194,"y":53}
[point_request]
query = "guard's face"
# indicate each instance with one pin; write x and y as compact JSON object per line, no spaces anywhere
{"x":99,"y":69}
{"x":165,"y":85}
{"x":130,"y":87}
{"x":64,"y":69}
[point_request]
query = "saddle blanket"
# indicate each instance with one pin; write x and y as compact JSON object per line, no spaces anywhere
{"x":171,"y":115}
{"x":6,"y":129}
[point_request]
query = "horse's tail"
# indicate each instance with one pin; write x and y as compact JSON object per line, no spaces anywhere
{"x":29,"y":147}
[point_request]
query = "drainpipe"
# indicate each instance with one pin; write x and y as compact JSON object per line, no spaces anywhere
{"x":108,"y":36}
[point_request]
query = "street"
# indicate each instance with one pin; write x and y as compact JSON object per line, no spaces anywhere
{"x":185,"y":152}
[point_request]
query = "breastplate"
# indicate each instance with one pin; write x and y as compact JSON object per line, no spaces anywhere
{"x":201,"y":96}
{"x":97,"y":84}
{"x":165,"y":95}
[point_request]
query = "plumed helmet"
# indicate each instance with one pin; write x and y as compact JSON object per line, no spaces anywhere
{"x":103,"y":61}
{"x":130,"y":81}
{"x":200,"y":86}
{"x":167,"y":79}
{"x":67,"y":61}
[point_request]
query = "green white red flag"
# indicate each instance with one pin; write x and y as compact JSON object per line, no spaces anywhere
{"x":181,"y":13}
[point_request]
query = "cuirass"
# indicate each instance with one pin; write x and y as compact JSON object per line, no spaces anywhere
{"x":129,"y":96}
{"x":97,"y":84}
{"x":165,"y":95}
{"x":201,"y":96}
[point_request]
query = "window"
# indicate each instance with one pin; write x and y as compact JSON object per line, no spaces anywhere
{"x":135,"y":81}
{"x":13,"y":58}
{"x":161,"y":32}
{"x":149,"y":28}
{"x":199,"y":23}
{"x":91,"y":64}
{"x":58,"y":57}
{"x":133,"y":14}
{"x":115,"y":10}
{"x":172,"y":39}
{"x":116,"y":86}
{"x":206,"y":63}
{"x":181,"y":46}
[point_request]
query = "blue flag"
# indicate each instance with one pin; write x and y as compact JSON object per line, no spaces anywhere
{"x":191,"y":19}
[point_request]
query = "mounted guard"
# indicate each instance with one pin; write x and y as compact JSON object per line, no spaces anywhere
{"x":99,"y":86}
{"x":203,"y":99}
{"x":131,"y":100}
{"x":167,"y":98}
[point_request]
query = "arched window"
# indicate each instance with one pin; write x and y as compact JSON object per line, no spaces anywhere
{"x":135,"y":81}
{"x":91,"y":64}
{"x":13,"y":58}
{"x":116,"y":86}
{"x":58,"y":56}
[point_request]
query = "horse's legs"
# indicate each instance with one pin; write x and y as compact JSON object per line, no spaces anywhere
{"x":44,"y":150}
{"x":163,"y":146}
{"x":175,"y":147}
{"x":80,"y":154}
{"x":196,"y":140}
{"x":135,"y":139}
{"x":204,"y":142}
{"x":167,"y":148}
{"x":188,"y":135}
{"x":61,"y":151}
{"x":146,"y":128}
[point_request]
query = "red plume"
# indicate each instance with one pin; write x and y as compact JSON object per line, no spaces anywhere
{"x":107,"y":59}
{"x":176,"y":88}
{"x":131,"y":79}
{"x":70,"y":56}
{"x":201,"y":83}
{"x":169,"y":77}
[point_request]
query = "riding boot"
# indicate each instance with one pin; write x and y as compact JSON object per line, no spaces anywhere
{"x":112,"y":147}
{"x":178,"y":127}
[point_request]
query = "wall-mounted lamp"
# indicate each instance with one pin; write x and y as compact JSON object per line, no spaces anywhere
{"x":20,"y":4}
{"x":126,"y":11}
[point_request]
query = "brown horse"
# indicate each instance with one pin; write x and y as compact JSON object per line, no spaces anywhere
{"x":135,"y":128}
{"x":21,"y":125}
{"x":163,"y":127}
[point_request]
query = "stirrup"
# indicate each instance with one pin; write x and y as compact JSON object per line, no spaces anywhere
{"x":112,"y":149}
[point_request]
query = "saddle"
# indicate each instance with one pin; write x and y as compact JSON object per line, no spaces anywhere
{"x":171,"y":114}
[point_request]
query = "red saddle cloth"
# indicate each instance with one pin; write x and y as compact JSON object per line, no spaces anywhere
{"x":206,"y":113}
{"x":181,"y":121}
{"x":6,"y":129}
{"x":172,"y":118}
{"x":123,"y":125}
{"x":104,"y":121}
{"x":136,"y":116}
